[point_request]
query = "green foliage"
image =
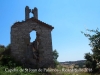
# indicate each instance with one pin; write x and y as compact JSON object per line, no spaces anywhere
{"x":93,"y":59}
{"x":88,"y":56}
{"x":55,"y":56}
{"x":1,"y":50}
{"x":8,"y":46}
{"x":88,"y":64}
{"x":7,"y":60}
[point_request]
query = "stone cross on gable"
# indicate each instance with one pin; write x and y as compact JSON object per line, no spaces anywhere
{"x":27,"y":11}
{"x":34,"y":12}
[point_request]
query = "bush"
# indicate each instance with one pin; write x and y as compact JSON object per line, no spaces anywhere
{"x":7,"y":60}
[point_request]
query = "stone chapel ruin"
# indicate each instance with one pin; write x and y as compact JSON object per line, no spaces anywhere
{"x":36,"y":53}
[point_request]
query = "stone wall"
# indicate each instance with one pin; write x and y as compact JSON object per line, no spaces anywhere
{"x":20,"y":37}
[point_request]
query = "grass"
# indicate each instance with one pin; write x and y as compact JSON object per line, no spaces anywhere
{"x":4,"y":70}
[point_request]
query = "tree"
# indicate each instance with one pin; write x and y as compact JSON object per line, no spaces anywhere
{"x":94,"y":58}
{"x":55,"y":56}
{"x":6,"y":59}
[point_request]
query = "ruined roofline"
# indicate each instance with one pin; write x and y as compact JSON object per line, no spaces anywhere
{"x":34,"y":20}
{"x":42,"y":23}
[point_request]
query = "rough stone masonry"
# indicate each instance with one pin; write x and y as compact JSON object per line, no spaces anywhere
{"x":21,"y":47}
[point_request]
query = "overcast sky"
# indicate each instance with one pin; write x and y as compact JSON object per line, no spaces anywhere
{"x":68,"y":17}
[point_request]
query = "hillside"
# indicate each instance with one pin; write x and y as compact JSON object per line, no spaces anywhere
{"x":80,"y":63}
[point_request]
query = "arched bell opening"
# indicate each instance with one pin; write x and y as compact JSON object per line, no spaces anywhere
{"x":31,"y":15}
